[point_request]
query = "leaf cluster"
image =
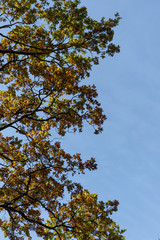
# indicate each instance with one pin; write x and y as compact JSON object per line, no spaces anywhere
{"x":47,"y":49}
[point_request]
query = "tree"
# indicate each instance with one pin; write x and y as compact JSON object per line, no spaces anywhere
{"x":47,"y":48}
{"x":90,"y":218}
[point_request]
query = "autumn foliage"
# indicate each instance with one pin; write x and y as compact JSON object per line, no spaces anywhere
{"x":47,"y":48}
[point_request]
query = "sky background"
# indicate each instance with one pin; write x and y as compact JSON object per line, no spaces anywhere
{"x":128,"y":151}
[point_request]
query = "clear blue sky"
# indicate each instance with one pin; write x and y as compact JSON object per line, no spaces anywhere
{"x":128,"y":151}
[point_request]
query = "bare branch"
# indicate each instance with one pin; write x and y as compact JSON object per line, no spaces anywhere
{"x":10,"y":25}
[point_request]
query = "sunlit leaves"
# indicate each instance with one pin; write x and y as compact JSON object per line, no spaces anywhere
{"x":89,"y":218}
{"x":47,"y":49}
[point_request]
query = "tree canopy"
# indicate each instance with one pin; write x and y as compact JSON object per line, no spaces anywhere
{"x":47,"y":49}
